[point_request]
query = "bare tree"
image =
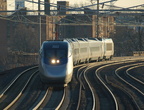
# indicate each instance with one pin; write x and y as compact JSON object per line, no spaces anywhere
{"x":24,"y":39}
{"x":127,"y":40}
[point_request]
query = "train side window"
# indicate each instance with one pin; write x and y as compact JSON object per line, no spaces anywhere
{"x":94,"y":49}
{"x":108,"y":46}
{"x":76,"y":51}
{"x":83,"y":50}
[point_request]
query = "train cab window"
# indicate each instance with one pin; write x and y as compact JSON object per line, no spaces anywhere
{"x":56,"y":53}
{"x":49,"y":53}
{"x":61,"y":53}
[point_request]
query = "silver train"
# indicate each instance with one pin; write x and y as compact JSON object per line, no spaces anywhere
{"x":57,"y":58}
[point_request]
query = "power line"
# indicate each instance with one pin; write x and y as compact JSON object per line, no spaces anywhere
{"x":79,"y":9}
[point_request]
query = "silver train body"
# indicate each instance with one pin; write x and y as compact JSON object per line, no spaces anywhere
{"x":57,"y":58}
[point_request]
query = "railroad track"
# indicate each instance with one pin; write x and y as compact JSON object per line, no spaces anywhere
{"x":94,"y":86}
{"x":53,"y":98}
{"x":116,"y":87}
{"x":12,"y":92}
{"x":135,"y":86}
{"x":137,"y":72}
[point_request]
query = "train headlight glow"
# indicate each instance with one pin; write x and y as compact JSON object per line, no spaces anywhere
{"x":58,"y":61}
{"x":54,"y":61}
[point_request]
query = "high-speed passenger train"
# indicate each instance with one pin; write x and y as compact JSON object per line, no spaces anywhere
{"x":57,"y":58}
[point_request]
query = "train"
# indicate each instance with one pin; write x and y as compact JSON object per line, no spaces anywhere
{"x":58,"y":57}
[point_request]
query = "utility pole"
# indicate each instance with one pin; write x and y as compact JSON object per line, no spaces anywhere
{"x":47,"y":7}
{"x":39,"y":18}
{"x":140,"y":38}
{"x":97,"y":20}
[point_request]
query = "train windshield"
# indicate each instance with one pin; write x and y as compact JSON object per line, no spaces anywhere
{"x":55,"y":53}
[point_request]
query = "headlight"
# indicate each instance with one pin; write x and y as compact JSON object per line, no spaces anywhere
{"x":58,"y":61}
{"x":55,"y":61}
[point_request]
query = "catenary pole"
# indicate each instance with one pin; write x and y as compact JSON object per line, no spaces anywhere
{"x":39,"y":17}
{"x":97,"y":27}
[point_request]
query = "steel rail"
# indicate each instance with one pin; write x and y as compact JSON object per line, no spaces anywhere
{"x":37,"y":104}
{"x":127,"y":72}
{"x":61,"y":102}
{"x":116,"y":72}
{"x":5,"y":89}
{"x":18,"y":96}
{"x":113,"y":96}
{"x":81,"y":85}
{"x":93,"y":96}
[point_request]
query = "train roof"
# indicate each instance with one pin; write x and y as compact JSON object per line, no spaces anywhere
{"x":55,"y":40}
{"x":106,"y":39}
{"x":90,"y":39}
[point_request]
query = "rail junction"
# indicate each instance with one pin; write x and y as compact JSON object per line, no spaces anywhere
{"x":107,"y":85}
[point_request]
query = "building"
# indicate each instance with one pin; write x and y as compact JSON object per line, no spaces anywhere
{"x":106,"y":26}
{"x":61,"y":7}
{"x":75,"y":26}
{"x":30,"y":5}
{"x":3,"y":6}
{"x":81,"y":25}
{"x":19,"y":4}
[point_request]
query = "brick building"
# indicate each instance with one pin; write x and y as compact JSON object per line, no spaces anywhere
{"x":75,"y":26}
{"x":3,"y":6}
{"x":106,"y":26}
{"x":82,"y":25}
{"x":61,"y":7}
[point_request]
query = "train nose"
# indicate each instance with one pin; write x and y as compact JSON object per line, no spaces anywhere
{"x":55,"y":71}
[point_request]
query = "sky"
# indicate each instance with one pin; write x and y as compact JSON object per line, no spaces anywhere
{"x":128,"y":3}
{"x":120,"y":3}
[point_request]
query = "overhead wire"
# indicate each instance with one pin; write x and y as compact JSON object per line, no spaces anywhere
{"x":52,"y":4}
{"x":29,"y":20}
